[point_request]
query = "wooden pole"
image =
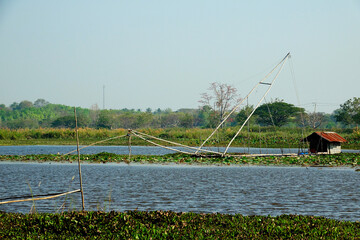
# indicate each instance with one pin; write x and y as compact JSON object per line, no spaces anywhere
{"x":260,"y":138}
{"x":129,"y":135}
{"x":79,"y":165}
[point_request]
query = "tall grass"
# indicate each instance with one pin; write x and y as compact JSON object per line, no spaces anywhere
{"x":266,"y":137}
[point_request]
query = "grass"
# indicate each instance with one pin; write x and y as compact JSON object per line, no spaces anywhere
{"x":171,"y":225}
{"x":343,"y":159}
{"x":268,"y":137}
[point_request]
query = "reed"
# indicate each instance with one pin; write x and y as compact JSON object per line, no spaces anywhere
{"x":33,"y":208}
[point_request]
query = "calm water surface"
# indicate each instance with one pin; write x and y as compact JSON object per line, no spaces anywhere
{"x":329,"y":192}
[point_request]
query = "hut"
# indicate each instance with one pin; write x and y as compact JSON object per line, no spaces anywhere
{"x":325,"y":142}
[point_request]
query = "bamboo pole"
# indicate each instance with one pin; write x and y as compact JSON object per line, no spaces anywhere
{"x":238,"y":105}
{"x":40,"y":198}
{"x":269,"y":88}
{"x":79,"y":165}
{"x":129,"y":142}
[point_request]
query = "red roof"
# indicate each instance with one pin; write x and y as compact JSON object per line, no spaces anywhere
{"x":331,"y":136}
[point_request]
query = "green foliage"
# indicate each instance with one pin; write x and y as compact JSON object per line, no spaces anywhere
{"x":280,"y":113}
{"x":69,"y":121}
{"x":44,"y":115}
{"x":172,"y":225}
{"x":243,"y":115}
{"x":105,"y":120}
{"x":24,"y":115}
{"x":22,"y":123}
{"x":40,"y":103}
{"x":207,"y":118}
{"x":349,"y":112}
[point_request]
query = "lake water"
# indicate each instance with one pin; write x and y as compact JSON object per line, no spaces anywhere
{"x":329,"y":192}
{"x":136,"y":150}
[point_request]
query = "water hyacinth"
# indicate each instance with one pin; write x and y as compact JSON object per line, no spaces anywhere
{"x":343,"y":159}
{"x":172,"y":225}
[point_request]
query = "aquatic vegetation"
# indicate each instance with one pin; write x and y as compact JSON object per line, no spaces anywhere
{"x":171,"y":225}
{"x":343,"y":159}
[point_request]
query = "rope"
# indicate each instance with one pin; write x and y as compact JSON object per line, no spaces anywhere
{"x":95,"y":144}
{"x":175,"y":143}
{"x":41,"y":198}
{"x":273,"y":123}
{"x":267,"y":105}
{"x":159,"y":145}
{"x":298,"y":101}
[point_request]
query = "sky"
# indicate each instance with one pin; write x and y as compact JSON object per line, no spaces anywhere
{"x":164,"y":54}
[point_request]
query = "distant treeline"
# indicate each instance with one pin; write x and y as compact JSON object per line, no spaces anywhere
{"x":47,"y":115}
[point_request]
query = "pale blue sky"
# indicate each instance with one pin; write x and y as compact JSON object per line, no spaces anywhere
{"x":164,"y":54}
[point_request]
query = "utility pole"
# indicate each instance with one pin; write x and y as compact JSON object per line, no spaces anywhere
{"x":314,"y":107}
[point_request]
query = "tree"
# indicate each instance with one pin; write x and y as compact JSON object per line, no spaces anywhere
{"x":220,"y":98}
{"x":125,"y":120}
{"x":40,"y":103}
{"x":277,"y":113}
{"x":349,"y":112}
{"x":314,"y":120}
{"x":186,"y":120}
{"x":157,"y":111}
{"x":24,"y":104}
{"x":22,"y":123}
{"x":243,"y":115}
{"x":169,"y":120}
{"x":205,"y":118}
{"x":14,"y":106}
{"x":106,"y":119}
{"x":69,"y":121}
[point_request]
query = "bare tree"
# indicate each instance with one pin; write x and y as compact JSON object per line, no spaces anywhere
{"x":314,"y":119}
{"x":220,"y":98}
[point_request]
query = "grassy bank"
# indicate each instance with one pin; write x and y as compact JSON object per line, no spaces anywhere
{"x":343,"y":159}
{"x":171,"y":225}
{"x":267,"y":137}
